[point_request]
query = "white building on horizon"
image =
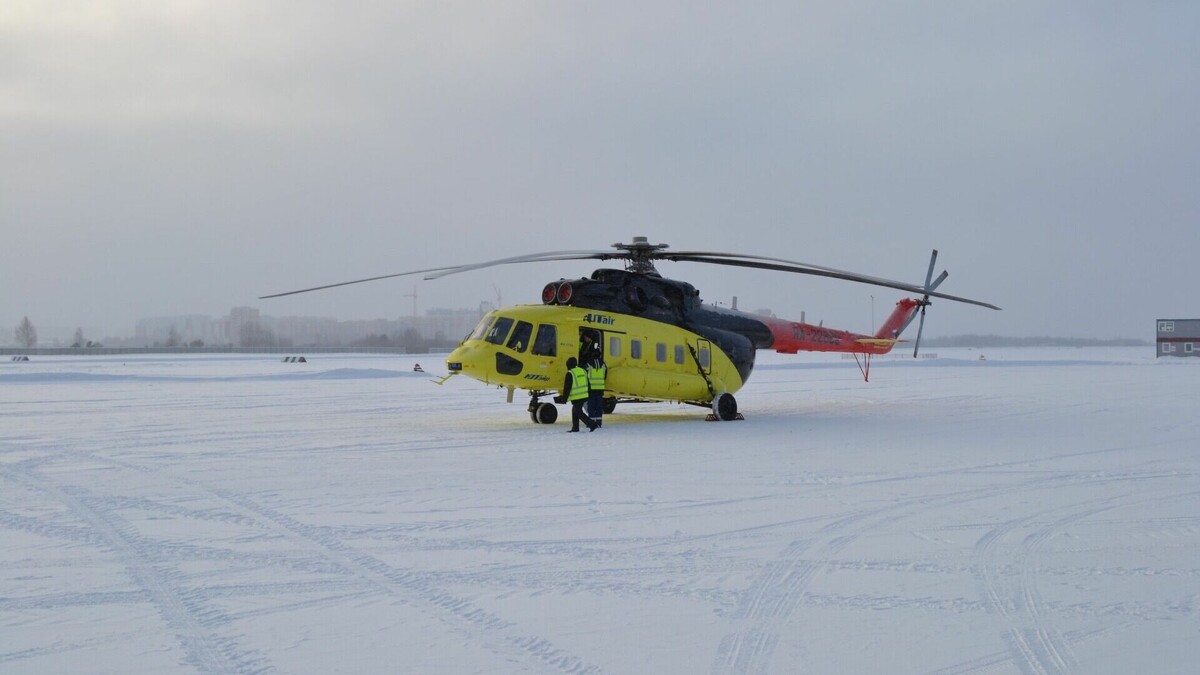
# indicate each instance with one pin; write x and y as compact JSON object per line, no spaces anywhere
{"x":437,"y":324}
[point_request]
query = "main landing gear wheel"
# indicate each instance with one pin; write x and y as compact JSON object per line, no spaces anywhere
{"x":724,"y":406}
{"x":610,"y":404}
{"x":543,"y":413}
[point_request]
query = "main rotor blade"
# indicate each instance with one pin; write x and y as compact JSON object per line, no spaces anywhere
{"x":356,"y":281}
{"x":436,"y":272}
{"x":548,"y":256}
{"x":743,"y":256}
{"x":833,"y":271}
{"x":820,"y":272}
{"x":710,"y":257}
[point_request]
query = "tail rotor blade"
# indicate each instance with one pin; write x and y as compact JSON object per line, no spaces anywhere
{"x":930,"y":284}
{"x":929,"y":274}
{"x":920,"y":329}
{"x":938,"y":282}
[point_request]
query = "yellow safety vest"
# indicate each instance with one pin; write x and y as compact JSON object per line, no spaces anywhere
{"x":579,"y":384}
{"x":596,"y":377}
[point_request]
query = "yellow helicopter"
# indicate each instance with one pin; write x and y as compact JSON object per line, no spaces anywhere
{"x":660,"y":341}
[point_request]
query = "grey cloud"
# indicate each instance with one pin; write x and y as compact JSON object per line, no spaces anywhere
{"x":180,"y":163}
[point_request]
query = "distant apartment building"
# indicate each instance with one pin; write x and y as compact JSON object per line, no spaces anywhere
{"x":307,"y":330}
{"x":451,"y":324}
{"x":246,"y":326}
{"x":1178,"y":337}
{"x":182,"y":330}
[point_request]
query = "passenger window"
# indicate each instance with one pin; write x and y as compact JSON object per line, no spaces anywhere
{"x":520,"y":337}
{"x":499,"y":330}
{"x":635,"y":349}
{"x":481,"y":329}
{"x":704,"y":358}
{"x":660,"y":352}
{"x":614,"y":346}
{"x":546,"y":343}
{"x":679,"y":354}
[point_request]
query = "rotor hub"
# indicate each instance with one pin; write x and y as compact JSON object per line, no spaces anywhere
{"x":640,"y":255}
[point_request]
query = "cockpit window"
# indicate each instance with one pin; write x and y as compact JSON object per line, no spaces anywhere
{"x":481,"y":328}
{"x":499,"y":330}
{"x":546,"y":343}
{"x":520,"y":336}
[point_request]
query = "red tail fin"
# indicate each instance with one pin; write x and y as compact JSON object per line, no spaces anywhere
{"x":895,"y":324}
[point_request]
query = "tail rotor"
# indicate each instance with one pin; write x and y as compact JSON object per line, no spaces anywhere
{"x":930,"y":285}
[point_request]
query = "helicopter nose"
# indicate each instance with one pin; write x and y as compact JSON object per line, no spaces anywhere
{"x":454,"y":361}
{"x":483,"y":362}
{"x":467,"y":359}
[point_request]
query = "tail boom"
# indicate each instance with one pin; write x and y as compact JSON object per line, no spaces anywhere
{"x":790,"y":337}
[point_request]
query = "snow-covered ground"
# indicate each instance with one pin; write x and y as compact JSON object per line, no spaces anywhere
{"x":1037,"y":511}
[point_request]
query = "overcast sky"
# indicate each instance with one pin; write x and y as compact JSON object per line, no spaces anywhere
{"x":186,"y":157}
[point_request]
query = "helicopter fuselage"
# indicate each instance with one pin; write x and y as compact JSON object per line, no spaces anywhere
{"x":527,"y":347}
{"x":659,"y":340}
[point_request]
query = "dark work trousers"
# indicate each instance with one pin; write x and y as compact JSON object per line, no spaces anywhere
{"x":578,"y":415}
{"x":596,"y":406}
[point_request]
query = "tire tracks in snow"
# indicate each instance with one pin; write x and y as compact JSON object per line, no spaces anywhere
{"x":457,"y":613}
{"x":187,"y":610}
{"x":779,"y":589}
{"x":183,"y":612}
{"x":1033,"y":646}
{"x":501,"y":637}
{"x":990,"y":661}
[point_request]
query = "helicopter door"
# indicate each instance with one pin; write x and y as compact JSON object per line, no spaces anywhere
{"x":591,"y":342}
{"x":704,"y":355}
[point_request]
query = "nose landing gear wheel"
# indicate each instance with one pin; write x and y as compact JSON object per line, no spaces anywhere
{"x":544,"y":413}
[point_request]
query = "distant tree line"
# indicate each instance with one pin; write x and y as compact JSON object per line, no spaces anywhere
{"x":1044,"y":341}
{"x":411,"y":342}
{"x":26,"y":334}
{"x":81,"y":343}
{"x":254,"y":334}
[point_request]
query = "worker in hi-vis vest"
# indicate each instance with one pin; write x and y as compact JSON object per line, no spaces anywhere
{"x":597,"y":372}
{"x":575,"y":391}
